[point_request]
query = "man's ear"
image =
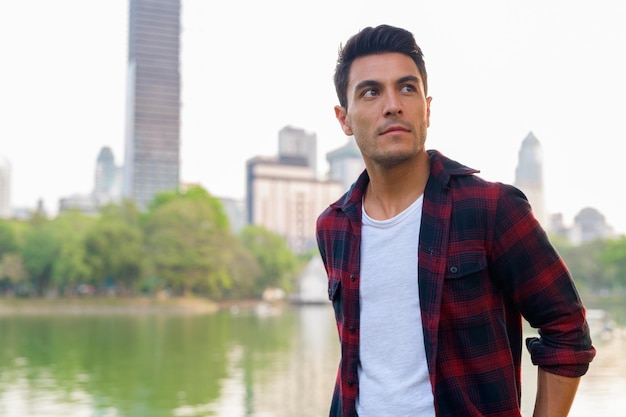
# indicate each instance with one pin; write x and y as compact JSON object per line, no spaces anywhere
{"x":341,"y":115}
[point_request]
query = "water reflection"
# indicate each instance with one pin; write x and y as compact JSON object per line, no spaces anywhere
{"x":246,"y":363}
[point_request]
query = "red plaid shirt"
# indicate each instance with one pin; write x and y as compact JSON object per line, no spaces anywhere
{"x":484,"y":263}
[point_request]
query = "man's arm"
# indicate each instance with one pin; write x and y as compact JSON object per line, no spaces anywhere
{"x":555,"y":394}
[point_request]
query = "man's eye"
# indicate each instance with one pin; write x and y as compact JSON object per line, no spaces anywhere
{"x":370,"y":93}
{"x":408,"y":89}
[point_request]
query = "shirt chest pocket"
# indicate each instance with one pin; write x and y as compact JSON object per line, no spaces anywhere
{"x":334,"y":295}
{"x":464,"y":264}
{"x":467,"y":275}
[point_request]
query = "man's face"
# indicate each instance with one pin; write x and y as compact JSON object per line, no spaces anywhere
{"x":387,"y":113}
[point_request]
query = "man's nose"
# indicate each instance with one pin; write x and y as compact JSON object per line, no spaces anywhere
{"x":392,"y":104}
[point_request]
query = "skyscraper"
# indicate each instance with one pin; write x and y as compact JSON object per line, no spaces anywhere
{"x":106,"y":187}
{"x":151,"y":161}
{"x":529,"y":176}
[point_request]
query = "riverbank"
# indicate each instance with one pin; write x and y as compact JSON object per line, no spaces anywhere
{"x":117,"y":305}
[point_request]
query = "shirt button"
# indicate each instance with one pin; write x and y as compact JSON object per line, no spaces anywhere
{"x":352,"y":278}
{"x":350,"y":383}
{"x":454,"y":269}
{"x":352,"y":329}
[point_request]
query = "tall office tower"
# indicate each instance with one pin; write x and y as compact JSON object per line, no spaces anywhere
{"x":106,"y":188}
{"x":5,"y":188}
{"x":151,"y":161}
{"x":296,"y":143}
{"x":529,"y":176}
{"x":346,"y":164}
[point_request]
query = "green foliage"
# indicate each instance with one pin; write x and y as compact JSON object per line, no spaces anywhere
{"x":586,"y":265}
{"x":278,"y":263}
{"x":182,"y":244}
{"x":12,"y":268}
{"x":71,"y":266}
{"x":41,"y":249}
{"x":189,"y":243}
{"x":8,"y":241}
{"x":613,"y":259}
{"x":195,"y":193}
{"x":114,"y":247}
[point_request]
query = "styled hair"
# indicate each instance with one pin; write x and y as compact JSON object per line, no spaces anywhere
{"x":371,"y":41}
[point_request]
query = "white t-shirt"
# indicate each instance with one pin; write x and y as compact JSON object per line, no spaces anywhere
{"x":393,"y":373}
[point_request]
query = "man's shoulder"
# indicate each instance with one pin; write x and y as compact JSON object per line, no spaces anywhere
{"x":453,"y":174}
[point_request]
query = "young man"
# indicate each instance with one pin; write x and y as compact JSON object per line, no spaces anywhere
{"x":432,"y":268}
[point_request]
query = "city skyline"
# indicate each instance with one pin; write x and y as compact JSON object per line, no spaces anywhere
{"x":496,"y":72}
{"x":152,"y":142}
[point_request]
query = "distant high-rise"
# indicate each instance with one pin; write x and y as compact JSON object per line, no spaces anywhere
{"x":105,"y":171}
{"x":283,"y":193}
{"x":298,"y":143}
{"x":5,"y":188}
{"x":107,"y":181}
{"x":151,"y":161}
{"x":529,"y":176}
{"x":346,"y":164}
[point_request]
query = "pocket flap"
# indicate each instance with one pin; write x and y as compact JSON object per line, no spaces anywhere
{"x":465,"y":263}
{"x":333,"y":288}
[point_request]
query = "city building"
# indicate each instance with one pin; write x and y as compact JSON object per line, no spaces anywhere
{"x":151,"y":160}
{"x":529,"y":176}
{"x":284,"y":195}
{"x":346,"y":164}
{"x":82,"y":202}
{"x":5,"y":188}
{"x":235,"y":210}
{"x":295,"y":142}
{"x":107,"y":178}
{"x":590,"y":225}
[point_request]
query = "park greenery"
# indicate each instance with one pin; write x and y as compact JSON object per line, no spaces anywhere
{"x":181,"y":245}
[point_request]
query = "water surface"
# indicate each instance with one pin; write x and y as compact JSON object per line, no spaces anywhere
{"x":241,"y":363}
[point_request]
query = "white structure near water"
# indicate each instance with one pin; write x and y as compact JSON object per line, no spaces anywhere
{"x":312,"y":287}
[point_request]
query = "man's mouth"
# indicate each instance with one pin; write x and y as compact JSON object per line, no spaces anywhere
{"x":394,"y":129}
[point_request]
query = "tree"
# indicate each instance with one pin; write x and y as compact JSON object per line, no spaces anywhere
{"x":41,"y":249}
{"x":12,"y":272}
{"x":613,"y":259}
{"x":8,"y":242}
{"x":71,"y":267}
{"x":585,"y":264}
{"x":278,"y":263}
{"x":189,"y":243}
{"x":114,"y":247}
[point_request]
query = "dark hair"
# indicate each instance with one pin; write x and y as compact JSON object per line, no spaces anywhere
{"x":370,"y":41}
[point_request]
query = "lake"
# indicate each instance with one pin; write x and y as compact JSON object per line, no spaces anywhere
{"x":257,"y":362}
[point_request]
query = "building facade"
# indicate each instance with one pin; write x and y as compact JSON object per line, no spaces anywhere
{"x":286,"y":198}
{"x":529,"y":176}
{"x":590,"y":225}
{"x":284,"y":194}
{"x":152,"y":153}
{"x":107,"y":178}
{"x":298,"y":143}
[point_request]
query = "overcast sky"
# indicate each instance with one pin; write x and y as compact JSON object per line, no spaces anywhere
{"x":497,"y":70}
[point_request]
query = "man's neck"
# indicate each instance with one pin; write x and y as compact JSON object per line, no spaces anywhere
{"x":392,"y":190}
